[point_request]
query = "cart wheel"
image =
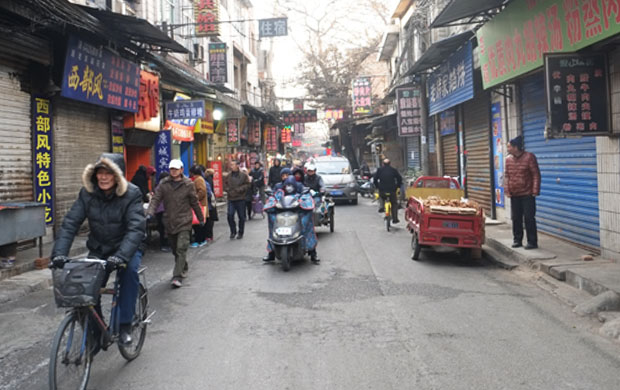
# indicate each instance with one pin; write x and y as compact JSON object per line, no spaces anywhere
{"x":415,"y":246}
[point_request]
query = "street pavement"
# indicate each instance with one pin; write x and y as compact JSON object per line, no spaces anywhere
{"x":367,"y":317}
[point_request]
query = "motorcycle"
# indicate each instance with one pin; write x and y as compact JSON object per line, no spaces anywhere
{"x":286,"y":212}
{"x":324,"y":210}
{"x":367,"y":188}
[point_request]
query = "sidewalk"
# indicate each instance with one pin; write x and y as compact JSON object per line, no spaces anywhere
{"x":564,"y":262}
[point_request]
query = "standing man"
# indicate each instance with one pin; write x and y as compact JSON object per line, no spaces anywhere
{"x":274,"y":173}
{"x":258,"y":180}
{"x":388,"y":180}
{"x":522,"y":185}
{"x":179,"y":195}
{"x":236,"y":185}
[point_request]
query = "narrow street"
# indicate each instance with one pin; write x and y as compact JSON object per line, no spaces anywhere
{"x":366,"y":317}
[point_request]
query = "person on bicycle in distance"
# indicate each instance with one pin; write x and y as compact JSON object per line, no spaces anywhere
{"x":388,"y":180}
{"x":117,"y":223}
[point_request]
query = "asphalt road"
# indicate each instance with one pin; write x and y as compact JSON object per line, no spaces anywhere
{"x":367,"y":317}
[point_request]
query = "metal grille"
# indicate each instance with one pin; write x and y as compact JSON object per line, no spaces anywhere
{"x":413,"y":152}
{"x":450,"y":156}
{"x":568,"y":201}
{"x":478,"y":168}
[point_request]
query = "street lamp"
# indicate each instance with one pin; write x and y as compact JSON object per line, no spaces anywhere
{"x":218,"y":114}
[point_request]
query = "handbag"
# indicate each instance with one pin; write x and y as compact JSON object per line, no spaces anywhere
{"x":205,"y":215}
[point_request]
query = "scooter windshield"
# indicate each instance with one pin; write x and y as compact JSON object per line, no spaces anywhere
{"x":290,"y":201}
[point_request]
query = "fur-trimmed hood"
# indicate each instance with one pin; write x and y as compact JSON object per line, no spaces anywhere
{"x":114,"y":163}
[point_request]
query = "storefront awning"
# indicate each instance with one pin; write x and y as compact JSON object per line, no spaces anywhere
{"x":175,"y":75}
{"x":136,"y":30}
{"x":439,"y":51}
{"x":471,"y":11}
{"x":258,"y":113}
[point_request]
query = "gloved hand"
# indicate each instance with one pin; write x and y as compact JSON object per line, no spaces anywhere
{"x":59,"y":261}
{"x":113,"y":263}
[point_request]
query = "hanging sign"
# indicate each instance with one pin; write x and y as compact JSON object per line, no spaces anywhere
{"x":298,"y":116}
{"x":148,"y":116}
{"x":408,"y":111}
{"x":272,"y":138}
{"x":232,"y":132}
{"x":274,"y":27}
{"x":452,"y":83}
{"x":207,"y":17}
{"x":185,"y":109}
{"x":163,"y":152}
{"x":118,"y":135}
{"x":182,"y":130}
{"x":95,"y":75}
{"x":361,"y":94}
{"x":498,"y":153}
{"x":204,"y":125}
{"x":298,"y":104}
{"x":286,"y":135}
{"x":218,"y":181}
{"x":514,"y":41}
{"x":43,"y":155}
{"x":299,"y":128}
{"x":577,"y":94}
{"x":334,"y":114}
{"x":218,"y":63}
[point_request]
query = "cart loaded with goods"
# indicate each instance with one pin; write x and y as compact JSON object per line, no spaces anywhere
{"x":438,"y":215}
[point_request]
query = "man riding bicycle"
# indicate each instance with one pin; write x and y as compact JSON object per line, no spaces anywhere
{"x":115,"y":214}
{"x":388,"y":180}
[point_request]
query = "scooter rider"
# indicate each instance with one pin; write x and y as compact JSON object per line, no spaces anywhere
{"x":290,"y":186}
{"x":313,"y":180}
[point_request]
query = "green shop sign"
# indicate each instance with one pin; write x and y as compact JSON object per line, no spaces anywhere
{"x":513,"y":42}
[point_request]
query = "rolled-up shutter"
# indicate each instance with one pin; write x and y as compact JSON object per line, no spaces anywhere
{"x":16,"y":134}
{"x":413,"y":152}
{"x":82,"y":134}
{"x":450,"y":156}
{"x":477,"y":145}
{"x":568,"y":201}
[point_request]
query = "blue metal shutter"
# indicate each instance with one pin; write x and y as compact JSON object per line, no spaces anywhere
{"x":413,"y":147}
{"x":568,"y":203}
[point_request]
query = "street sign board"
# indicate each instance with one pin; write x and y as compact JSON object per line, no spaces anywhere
{"x":274,"y":27}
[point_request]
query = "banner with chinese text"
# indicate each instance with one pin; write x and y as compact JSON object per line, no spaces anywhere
{"x":232,"y":132}
{"x":163,"y":152}
{"x":207,"y":17}
{"x":577,"y":94}
{"x":148,"y":116}
{"x":43,"y":155}
{"x":286,"y":135}
{"x":218,"y":178}
{"x":218,"y":63}
{"x":181,"y":129}
{"x":362,"y":103}
{"x":514,"y":41}
{"x":408,"y":111}
{"x":298,"y":116}
{"x":118,"y":135}
{"x":498,"y":153}
{"x":205,"y":124}
{"x":93,"y":74}
{"x":271,"y":141}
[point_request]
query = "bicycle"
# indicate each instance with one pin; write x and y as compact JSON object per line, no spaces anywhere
{"x":78,"y":286}
{"x":387,"y":207}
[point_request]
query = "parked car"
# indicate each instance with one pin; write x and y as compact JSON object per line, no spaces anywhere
{"x":338,"y":177}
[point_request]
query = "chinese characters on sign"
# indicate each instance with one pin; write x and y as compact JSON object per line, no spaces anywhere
{"x":254,"y":128}
{"x":95,"y":75}
{"x":218,"y":183}
{"x":163,"y":152}
{"x":514,"y":41}
{"x":447,"y":122}
{"x":452,"y":83}
{"x":275,"y":27}
{"x":577,"y":94}
{"x":408,"y":111}
{"x":43,"y":155}
{"x":185,"y":109}
{"x":286,"y":134}
{"x":298,"y":116}
{"x":207,"y":17}
{"x":296,"y":141}
{"x":334,"y":114}
{"x":300,"y":128}
{"x":272,"y":138}
{"x":218,"y":63}
{"x":498,"y":153}
{"x":181,"y":129}
{"x":118,"y":136}
{"x":361,"y":95}
{"x":148,"y":115}
{"x":232,"y":132}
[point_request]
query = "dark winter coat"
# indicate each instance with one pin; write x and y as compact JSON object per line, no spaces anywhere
{"x":314,"y":182}
{"x":237,"y":185}
{"x":140,"y":179}
{"x":522,"y":176}
{"x":387,"y":179}
{"x":180,"y":199}
{"x":116,"y":221}
{"x":258,"y":177}
{"x":274,"y":175}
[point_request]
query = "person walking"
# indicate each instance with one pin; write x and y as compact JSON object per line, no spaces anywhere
{"x":117,"y":225}
{"x":274,"y":173}
{"x":213,"y":217}
{"x":249,"y":194}
{"x":258,"y":180}
{"x":200,"y":231}
{"x":388,"y":180}
{"x":179,"y":196}
{"x":141,"y":179}
{"x":522,"y":186}
{"x":236,"y":186}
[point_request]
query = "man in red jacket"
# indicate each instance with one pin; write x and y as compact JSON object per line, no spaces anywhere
{"x":522,"y":185}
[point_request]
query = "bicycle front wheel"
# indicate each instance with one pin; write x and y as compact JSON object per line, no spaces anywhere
{"x":70,"y":359}
{"x":138,"y":327}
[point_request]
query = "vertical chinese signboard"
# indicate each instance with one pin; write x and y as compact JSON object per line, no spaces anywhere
{"x":361,"y":95}
{"x":408,"y":111}
{"x":207,"y":15}
{"x":300,"y":128}
{"x":148,"y":116}
{"x":514,"y":41}
{"x":232,"y":132}
{"x":577,"y":94}
{"x":43,"y":155}
{"x":286,"y":134}
{"x":118,"y":136}
{"x":163,"y":152}
{"x":272,"y":138}
{"x":218,"y":63}
{"x":95,"y":75}
{"x":218,"y":183}
{"x":254,"y":127}
{"x":498,"y":153}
